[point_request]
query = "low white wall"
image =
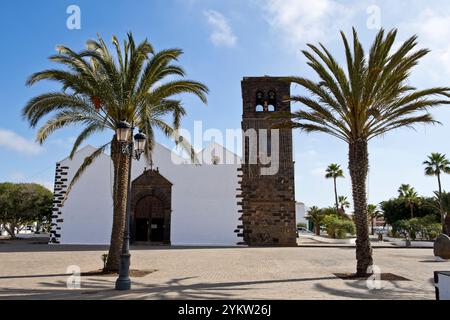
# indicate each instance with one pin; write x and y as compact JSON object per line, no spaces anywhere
{"x":402,"y":243}
{"x":329,"y":240}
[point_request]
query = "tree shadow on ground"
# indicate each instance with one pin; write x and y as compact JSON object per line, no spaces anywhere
{"x":177,"y":288}
{"x":358,"y":289}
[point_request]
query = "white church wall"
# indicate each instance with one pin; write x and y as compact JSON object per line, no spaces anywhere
{"x":204,"y":204}
{"x":87,"y":212}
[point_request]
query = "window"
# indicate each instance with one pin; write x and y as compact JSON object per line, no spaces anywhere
{"x":259,"y":101}
{"x":272,"y":102}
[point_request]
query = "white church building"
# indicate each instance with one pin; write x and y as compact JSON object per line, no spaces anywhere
{"x":215,"y":203}
{"x":176,"y":203}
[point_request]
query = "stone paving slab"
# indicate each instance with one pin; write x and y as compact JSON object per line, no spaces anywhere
{"x":36,"y":271}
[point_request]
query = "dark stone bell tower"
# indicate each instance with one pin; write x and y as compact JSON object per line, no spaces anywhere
{"x":267,"y":194}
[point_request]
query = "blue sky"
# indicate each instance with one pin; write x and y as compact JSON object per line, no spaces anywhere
{"x":224,"y":41}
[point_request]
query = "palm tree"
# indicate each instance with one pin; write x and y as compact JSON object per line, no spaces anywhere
{"x":343,"y":204}
{"x":445,"y":203}
{"x":334,"y":171}
{"x":439,"y":203}
{"x":436,"y":165}
{"x":99,"y":90}
{"x":409,"y":196}
{"x":373,"y":213}
{"x":316,"y":216}
{"x":371,"y":98}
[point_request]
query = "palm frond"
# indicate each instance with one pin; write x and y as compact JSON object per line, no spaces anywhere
{"x":86,"y":133}
{"x":61,"y":120}
{"x":173,"y":88}
{"x":372,"y":98}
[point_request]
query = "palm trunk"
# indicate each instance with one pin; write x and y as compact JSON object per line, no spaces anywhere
{"x":336,"y":196}
{"x":317,"y":227}
{"x":372,"y":231}
{"x":120,"y":164}
{"x":11,"y":229}
{"x":359,"y":167}
{"x":441,"y":209}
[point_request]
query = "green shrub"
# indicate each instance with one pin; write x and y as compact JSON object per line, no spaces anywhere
{"x":347,"y":227}
{"x":424,"y":228}
{"x":338,"y":228}
{"x":395,"y":210}
{"x":433,"y":231}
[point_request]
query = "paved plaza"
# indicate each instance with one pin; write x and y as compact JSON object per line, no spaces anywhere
{"x":38,"y":271}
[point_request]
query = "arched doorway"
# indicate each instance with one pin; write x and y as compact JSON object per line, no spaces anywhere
{"x":149,"y":217}
{"x":151,"y":208}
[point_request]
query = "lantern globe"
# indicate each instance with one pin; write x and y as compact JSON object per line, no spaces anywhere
{"x":123,"y":131}
{"x":140,"y":140}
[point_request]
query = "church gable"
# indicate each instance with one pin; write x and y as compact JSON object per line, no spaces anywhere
{"x":151,"y":178}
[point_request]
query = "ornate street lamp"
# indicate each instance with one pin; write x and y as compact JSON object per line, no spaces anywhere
{"x":123,"y":132}
{"x":140,"y":140}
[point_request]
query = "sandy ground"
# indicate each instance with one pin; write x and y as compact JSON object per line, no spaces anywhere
{"x":30,"y":270}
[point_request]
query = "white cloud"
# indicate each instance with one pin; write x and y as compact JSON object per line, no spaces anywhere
{"x":221,"y":34}
{"x":301,"y":21}
{"x":307,"y":154}
{"x":433,"y":28}
{"x":63,"y":142}
{"x":318,"y":172}
{"x":11,"y":140}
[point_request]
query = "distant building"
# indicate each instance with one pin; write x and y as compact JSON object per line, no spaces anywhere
{"x":301,"y":212}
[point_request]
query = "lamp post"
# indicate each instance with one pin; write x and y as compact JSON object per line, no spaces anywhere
{"x":123,"y":132}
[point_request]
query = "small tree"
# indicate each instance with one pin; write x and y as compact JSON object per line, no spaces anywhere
{"x":373,"y":213}
{"x":343,"y":204}
{"x":22,"y":204}
{"x":338,"y":228}
{"x":419,"y":228}
{"x":396,"y":209}
{"x":437,"y":165}
{"x":334,"y":171}
{"x":316,"y":216}
{"x":410,"y":196}
{"x":445,"y":206}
